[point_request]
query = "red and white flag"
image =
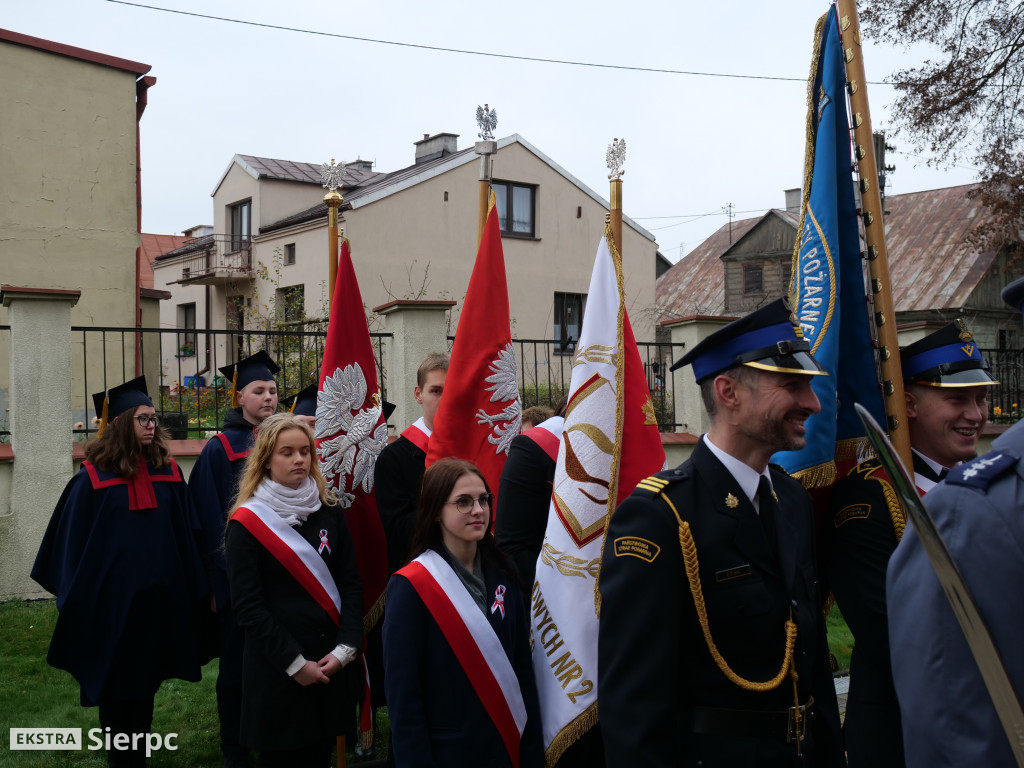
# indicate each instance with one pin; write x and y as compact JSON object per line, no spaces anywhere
{"x":480,"y":412}
{"x":351,"y":431}
{"x":610,"y":441}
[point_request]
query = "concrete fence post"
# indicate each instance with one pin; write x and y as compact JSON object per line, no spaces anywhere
{"x":40,"y":424}
{"x":689,"y":409}
{"x":418,"y":328}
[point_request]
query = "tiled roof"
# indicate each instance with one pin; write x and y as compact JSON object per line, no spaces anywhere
{"x":151,"y":247}
{"x":930,"y":264}
{"x":696,"y":284}
{"x":188,"y":245}
{"x":289,"y":170}
{"x":368,"y":184}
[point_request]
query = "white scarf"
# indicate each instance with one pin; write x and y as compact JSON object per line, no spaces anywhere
{"x":294,"y":505}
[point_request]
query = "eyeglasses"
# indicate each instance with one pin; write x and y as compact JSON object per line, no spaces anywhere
{"x":465,"y":503}
{"x":145,"y":421}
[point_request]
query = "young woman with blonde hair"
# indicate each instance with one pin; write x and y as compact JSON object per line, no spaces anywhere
{"x":296,"y":593}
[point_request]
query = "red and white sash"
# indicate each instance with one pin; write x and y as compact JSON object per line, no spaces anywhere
{"x":297,"y":555}
{"x":548,"y":434}
{"x":474,"y":643}
{"x":418,"y":433}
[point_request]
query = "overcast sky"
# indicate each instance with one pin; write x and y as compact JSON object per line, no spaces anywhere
{"x":694,"y":143}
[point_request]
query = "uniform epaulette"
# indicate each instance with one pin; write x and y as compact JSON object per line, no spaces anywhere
{"x":653,"y":485}
{"x":778,"y":468}
{"x":980,"y":472}
{"x":866,"y":467}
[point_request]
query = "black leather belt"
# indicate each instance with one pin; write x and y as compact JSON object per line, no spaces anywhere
{"x":789,"y":724}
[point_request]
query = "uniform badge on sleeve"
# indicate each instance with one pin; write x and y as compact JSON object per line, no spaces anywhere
{"x":852,"y":512}
{"x":634,"y":546}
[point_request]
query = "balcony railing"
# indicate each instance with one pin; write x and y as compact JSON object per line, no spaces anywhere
{"x":215,"y":258}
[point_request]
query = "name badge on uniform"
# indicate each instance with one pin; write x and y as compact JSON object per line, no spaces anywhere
{"x":736,"y":572}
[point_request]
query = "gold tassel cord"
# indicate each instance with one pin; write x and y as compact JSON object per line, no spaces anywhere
{"x":103,"y":416}
{"x":234,"y":388}
{"x":899,"y":517}
{"x":689,"y":550}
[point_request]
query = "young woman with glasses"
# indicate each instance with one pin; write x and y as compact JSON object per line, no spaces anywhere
{"x":459,"y":681}
{"x":122,"y":557}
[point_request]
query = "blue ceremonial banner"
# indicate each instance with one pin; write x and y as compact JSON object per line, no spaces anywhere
{"x":828,"y":290}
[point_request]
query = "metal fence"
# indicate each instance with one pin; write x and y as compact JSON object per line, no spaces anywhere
{"x":182,"y":369}
{"x":1005,"y":399}
{"x":545,"y":373}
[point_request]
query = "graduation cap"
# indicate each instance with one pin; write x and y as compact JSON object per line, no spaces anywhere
{"x":258,"y":367}
{"x":112,"y":402}
{"x":303,"y":402}
{"x":947,"y":358}
{"x":767,"y":339}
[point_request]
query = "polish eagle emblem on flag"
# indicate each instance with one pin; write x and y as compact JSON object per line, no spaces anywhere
{"x":351,"y":437}
{"x":504,"y":388}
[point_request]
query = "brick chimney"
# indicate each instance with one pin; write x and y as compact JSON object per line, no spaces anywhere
{"x":433,"y":147}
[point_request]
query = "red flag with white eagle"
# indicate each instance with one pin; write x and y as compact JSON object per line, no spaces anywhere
{"x":480,"y":411}
{"x":351,"y":431}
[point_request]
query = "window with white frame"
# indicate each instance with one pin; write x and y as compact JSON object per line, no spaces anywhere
{"x":516,"y":204}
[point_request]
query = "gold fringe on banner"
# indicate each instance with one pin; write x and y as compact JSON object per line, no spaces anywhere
{"x":820,"y":476}
{"x":373,"y":615}
{"x":569,"y":735}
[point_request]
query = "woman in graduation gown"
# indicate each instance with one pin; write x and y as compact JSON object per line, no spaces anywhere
{"x":121,"y":554}
{"x":459,"y":681}
{"x":296,"y":593}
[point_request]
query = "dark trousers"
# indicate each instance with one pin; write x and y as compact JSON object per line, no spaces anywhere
{"x":231,"y":642}
{"x":127,"y":717}
{"x":317,"y":756}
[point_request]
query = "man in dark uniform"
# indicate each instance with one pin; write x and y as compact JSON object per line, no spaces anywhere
{"x":949,"y":718}
{"x":398,"y":471}
{"x":712,"y":647}
{"x":524,"y":494}
{"x":946,"y":382}
{"x":214,"y":483}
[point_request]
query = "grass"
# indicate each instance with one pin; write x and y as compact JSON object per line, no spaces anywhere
{"x":35,"y":695}
{"x":840,"y":639}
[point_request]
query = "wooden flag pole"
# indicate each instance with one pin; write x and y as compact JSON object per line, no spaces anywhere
{"x":874,"y":233}
{"x":487,"y":148}
{"x":615,"y":157}
{"x":333,"y":200}
{"x":332,"y":176}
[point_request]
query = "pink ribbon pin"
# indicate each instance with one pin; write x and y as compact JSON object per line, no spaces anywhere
{"x":499,"y":600}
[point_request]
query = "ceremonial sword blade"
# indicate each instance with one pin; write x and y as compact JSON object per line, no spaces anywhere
{"x":985,"y":653}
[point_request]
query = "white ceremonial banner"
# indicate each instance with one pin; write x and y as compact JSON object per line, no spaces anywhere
{"x":563,"y":615}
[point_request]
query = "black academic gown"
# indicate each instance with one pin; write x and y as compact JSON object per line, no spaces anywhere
{"x":397,"y":477}
{"x":214,"y":484}
{"x":654,"y":665}
{"x":281,"y":620}
{"x":858,"y":539}
{"x":130,"y":583}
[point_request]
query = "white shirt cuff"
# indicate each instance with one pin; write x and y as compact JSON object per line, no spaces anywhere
{"x":344,"y":653}
{"x":295,"y":666}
